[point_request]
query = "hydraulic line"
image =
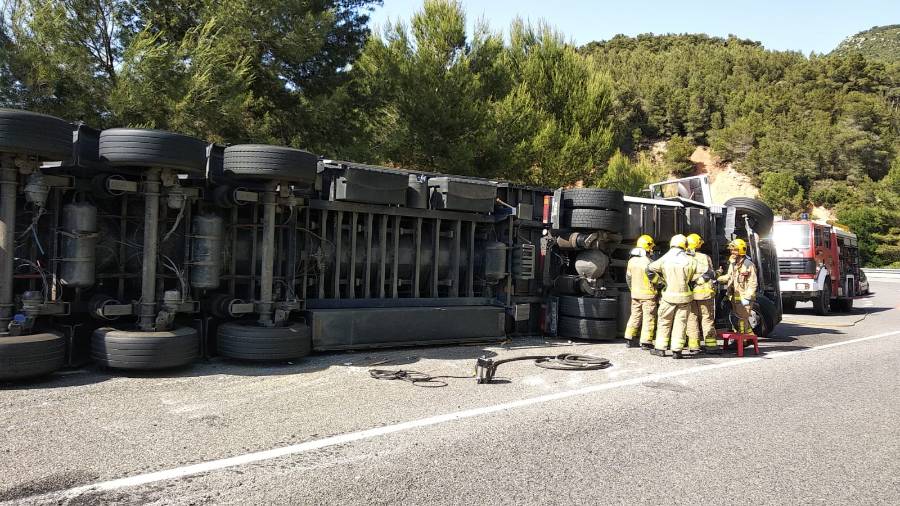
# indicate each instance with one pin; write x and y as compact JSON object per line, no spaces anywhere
{"x":486,"y":369}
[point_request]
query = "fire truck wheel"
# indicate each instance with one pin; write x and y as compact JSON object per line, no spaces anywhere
{"x":588,"y":307}
{"x":263,"y":162}
{"x":587,"y":328}
{"x":144,"y":351}
{"x":761,"y":216}
{"x":31,"y":356}
{"x":247,"y":341}
{"x":822,"y":303}
{"x":35,"y":134}
{"x":593,"y":219}
{"x":593,"y":198}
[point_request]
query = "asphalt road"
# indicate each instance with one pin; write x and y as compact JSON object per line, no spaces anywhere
{"x":815,"y":419}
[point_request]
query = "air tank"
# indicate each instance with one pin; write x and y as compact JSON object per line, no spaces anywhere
{"x":78,"y":245}
{"x":494,"y":261}
{"x":207,"y":237}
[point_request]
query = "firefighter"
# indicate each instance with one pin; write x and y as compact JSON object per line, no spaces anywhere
{"x":702,"y":320}
{"x":741,"y":283}
{"x":643,"y":295}
{"x":678,"y":271}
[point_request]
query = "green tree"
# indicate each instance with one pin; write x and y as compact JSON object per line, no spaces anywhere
{"x":782,"y":193}
{"x":677,"y":157}
{"x":632,"y":178}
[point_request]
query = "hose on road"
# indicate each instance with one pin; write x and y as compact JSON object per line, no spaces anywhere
{"x":486,"y":369}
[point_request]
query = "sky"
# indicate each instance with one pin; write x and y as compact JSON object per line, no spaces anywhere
{"x":800,"y":25}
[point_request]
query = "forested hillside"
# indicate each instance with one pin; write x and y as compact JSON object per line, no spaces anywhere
{"x":877,"y":43}
{"x":517,"y":102}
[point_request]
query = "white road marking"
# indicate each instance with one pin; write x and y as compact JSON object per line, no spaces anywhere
{"x":249,"y":458}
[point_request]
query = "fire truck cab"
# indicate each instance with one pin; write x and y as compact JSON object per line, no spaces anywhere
{"x":818,"y":262}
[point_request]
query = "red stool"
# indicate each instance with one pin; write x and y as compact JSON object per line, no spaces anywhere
{"x":725,"y":336}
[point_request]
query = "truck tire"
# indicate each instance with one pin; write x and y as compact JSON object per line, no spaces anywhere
{"x":761,"y":216}
{"x":822,"y":303}
{"x":593,"y":219}
{"x":31,"y":133}
{"x":271,"y":163}
{"x":586,"y":328}
{"x":244,"y":340}
{"x":588,"y":307}
{"x":765,"y":311}
{"x":789,"y":305}
{"x":593,"y":198}
{"x":23,"y":357}
{"x":138,"y":147}
{"x":144,"y":351}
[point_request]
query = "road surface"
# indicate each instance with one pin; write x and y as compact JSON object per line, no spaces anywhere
{"x":814,"y":419}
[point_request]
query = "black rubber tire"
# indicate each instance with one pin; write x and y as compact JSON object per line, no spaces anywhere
{"x":788,"y":305}
{"x":271,"y":163}
{"x":761,"y":216}
{"x":23,"y":357}
{"x":144,"y":351}
{"x":593,"y":198}
{"x":36,"y":134}
{"x":766,"y":309}
{"x":247,"y":341}
{"x":588,"y":307}
{"x":593,"y":219}
{"x":586,"y":328}
{"x":137,"y":147}
{"x":822,"y":303}
{"x":567,"y":284}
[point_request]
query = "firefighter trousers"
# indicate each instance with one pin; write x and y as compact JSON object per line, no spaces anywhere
{"x":702,"y":324}
{"x":643,"y":319}
{"x":671,"y":325}
{"x":742,"y":315}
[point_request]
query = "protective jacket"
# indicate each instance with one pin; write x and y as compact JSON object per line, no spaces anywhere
{"x":740,"y":280}
{"x":679,"y":272}
{"x":641,"y":285}
{"x":704,"y":288}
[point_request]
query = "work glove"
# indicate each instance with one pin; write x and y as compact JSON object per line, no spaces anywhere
{"x":746,"y":302}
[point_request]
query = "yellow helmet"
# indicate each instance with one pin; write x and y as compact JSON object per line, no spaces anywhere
{"x":694,"y":242}
{"x":738,"y":247}
{"x":645,"y":242}
{"x":678,"y":241}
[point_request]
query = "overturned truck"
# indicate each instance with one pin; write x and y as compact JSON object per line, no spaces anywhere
{"x":592,"y":231}
{"x":143,"y":249}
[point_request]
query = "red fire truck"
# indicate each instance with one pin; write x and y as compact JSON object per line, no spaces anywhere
{"x":818,"y":262}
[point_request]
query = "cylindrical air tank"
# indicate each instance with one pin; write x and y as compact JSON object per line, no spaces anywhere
{"x":78,"y":245}
{"x":207,"y":237}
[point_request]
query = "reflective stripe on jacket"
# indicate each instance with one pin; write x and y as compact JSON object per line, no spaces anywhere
{"x":679,"y":271}
{"x":703,"y":289}
{"x":638,"y":282}
{"x":740,"y":279}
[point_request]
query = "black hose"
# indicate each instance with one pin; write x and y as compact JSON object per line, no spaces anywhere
{"x":417,"y":378}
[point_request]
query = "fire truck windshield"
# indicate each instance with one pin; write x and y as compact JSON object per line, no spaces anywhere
{"x":789,"y":236}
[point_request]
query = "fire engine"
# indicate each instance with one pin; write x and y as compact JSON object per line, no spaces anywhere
{"x":818,"y":262}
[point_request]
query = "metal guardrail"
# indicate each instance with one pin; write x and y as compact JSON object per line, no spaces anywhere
{"x":882,"y":273}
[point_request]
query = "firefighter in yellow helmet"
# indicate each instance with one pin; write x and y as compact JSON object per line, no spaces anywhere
{"x":702,"y":320}
{"x":679,"y":272}
{"x":740,"y":282}
{"x":643,"y":294}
